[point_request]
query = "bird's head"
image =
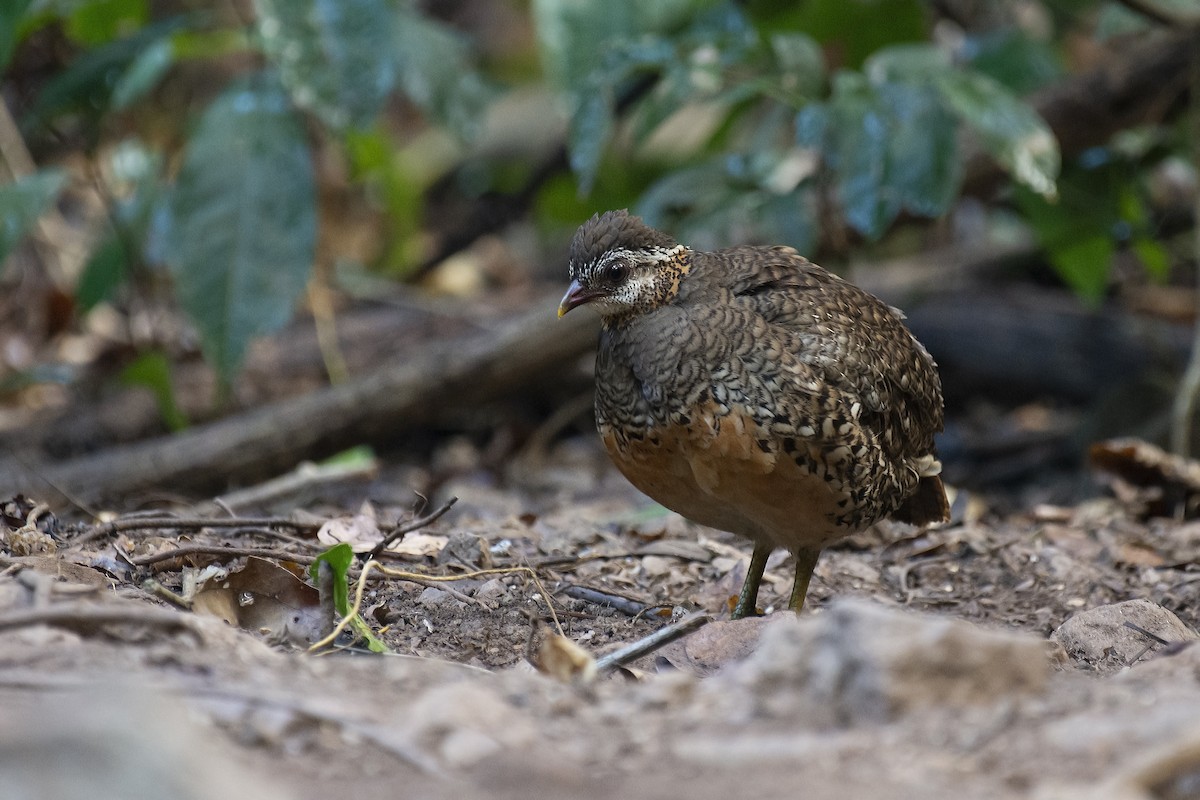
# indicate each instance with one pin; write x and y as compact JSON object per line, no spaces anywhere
{"x":621,"y":266}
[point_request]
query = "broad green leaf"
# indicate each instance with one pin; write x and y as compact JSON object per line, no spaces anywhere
{"x":12,"y":12}
{"x":575,"y":35}
{"x":143,"y":74}
{"x":592,"y":48}
{"x":1016,"y":60}
{"x":243,"y":211}
{"x":862,"y":165}
{"x":591,"y":128}
{"x":705,"y":206}
{"x":812,"y":126}
{"x":800,"y":64}
{"x":95,"y":22}
{"x":104,"y":272}
{"x":22,"y":202}
{"x":339,"y":558}
{"x":332,"y":55}
{"x":906,"y":63}
{"x":434,"y":70}
{"x":858,"y":138}
{"x":153,"y":371}
{"x":1009,"y":128}
{"x":924,"y":163}
{"x":87,"y":83}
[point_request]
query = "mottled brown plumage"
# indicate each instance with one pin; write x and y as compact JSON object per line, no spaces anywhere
{"x":750,"y":390}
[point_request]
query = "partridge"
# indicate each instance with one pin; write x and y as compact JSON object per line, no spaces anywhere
{"x":750,"y":390}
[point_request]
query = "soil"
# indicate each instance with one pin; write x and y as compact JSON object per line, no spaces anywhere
{"x":930,"y":664}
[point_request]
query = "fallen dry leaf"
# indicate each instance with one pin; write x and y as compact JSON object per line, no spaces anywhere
{"x":565,"y":661}
{"x":265,"y":598}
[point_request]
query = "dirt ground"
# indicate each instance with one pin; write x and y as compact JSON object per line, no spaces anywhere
{"x":929,"y":664}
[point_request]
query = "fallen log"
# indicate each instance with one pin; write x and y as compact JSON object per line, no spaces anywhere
{"x":462,"y":372}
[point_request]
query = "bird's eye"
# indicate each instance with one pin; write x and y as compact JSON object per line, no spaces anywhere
{"x":616,"y":272}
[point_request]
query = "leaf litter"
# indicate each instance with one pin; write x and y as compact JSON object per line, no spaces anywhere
{"x":998,"y":656}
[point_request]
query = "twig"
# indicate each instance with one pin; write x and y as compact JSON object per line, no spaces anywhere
{"x":1153,"y":637}
{"x":191,"y":523}
{"x":85,"y":618}
{"x":410,"y":526}
{"x":625,"y":605}
{"x":217,"y":550}
{"x":457,"y":595}
{"x":303,"y":477}
{"x":648,"y":644}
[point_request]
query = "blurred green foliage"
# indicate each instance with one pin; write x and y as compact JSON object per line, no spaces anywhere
{"x":722,"y":121}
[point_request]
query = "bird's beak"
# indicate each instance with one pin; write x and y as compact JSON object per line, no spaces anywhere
{"x":576,"y":296}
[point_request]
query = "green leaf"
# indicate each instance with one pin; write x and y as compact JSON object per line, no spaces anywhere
{"x":153,"y":371}
{"x":96,"y":22}
{"x":143,"y":74}
{"x":1009,"y":128}
{"x":1154,"y":257}
{"x":708,"y":207}
{"x":332,"y":55}
{"x":591,"y":48}
{"x":434,"y":70}
{"x":861,"y":162}
{"x":854,"y":29}
{"x":1084,"y":265}
{"x":104,"y":272}
{"x":22,"y":202}
{"x":339,"y":558}
{"x":12,"y":13}
{"x":924,"y":164}
{"x":591,"y":128}
{"x":243,"y":211}
{"x":1015,"y":59}
{"x":799,"y":63}
{"x":87,"y":83}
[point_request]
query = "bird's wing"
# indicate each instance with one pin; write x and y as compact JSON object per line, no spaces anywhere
{"x":856,"y":342}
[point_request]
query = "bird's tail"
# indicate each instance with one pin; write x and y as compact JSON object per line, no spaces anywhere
{"x":927,"y":505}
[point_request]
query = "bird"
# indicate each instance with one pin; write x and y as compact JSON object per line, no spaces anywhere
{"x":750,"y":390}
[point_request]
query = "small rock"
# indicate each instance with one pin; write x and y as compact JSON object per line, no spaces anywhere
{"x":466,"y":723}
{"x":1100,"y":637}
{"x":492,"y":590}
{"x":432,"y":597}
{"x":722,"y":642}
{"x":466,"y":549}
{"x":860,"y":662}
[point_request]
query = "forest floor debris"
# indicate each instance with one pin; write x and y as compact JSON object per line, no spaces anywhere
{"x":1046,"y":654}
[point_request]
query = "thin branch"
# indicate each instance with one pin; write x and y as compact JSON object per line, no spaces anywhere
{"x":410,"y":526}
{"x":217,"y":550}
{"x":86,"y":618}
{"x":189,"y":523}
{"x":654,"y":641}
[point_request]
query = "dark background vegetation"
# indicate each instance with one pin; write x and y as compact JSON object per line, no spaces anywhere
{"x":208,"y":209}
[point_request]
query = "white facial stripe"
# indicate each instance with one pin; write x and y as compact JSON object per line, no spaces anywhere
{"x":653,"y":254}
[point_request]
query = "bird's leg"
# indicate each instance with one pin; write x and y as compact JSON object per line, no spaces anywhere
{"x":806,"y":562}
{"x":747,"y":603}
